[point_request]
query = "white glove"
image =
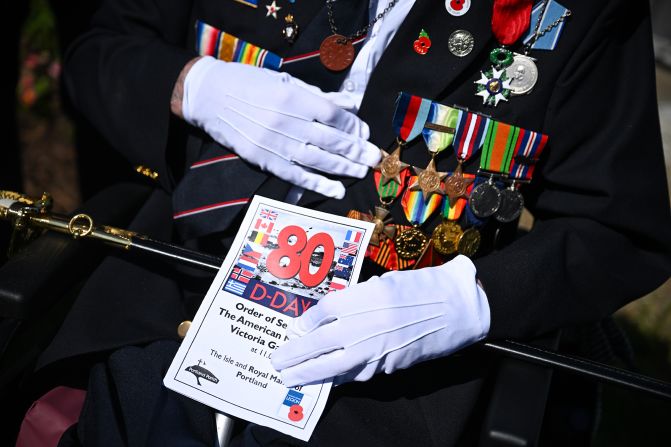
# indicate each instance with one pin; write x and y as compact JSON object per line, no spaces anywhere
{"x":279,"y":123}
{"x":386,"y":323}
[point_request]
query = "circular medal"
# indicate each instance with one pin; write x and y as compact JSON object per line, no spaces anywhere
{"x":461,"y":43}
{"x":485,"y":200}
{"x":512,"y":203}
{"x":446,"y":237}
{"x":523,"y":75}
{"x":457,"y":8}
{"x":336,"y":52}
{"x":410,"y":243}
{"x":469,"y":242}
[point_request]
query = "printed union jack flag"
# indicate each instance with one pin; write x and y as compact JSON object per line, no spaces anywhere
{"x":268,"y":214}
{"x":348,"y":248}
{"x":241,"y":274}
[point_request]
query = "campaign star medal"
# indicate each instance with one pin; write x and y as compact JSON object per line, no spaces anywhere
{"x":390,"y":166}
{"x":428,"y":180}
{"x":272,"y":9}
{"x":456,"y":185}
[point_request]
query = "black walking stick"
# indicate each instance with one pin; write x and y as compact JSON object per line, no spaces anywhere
{"x":29,"y":215}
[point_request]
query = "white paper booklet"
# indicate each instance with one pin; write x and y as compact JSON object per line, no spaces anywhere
{"x":283,"y":260}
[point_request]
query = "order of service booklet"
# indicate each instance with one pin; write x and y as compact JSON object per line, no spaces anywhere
{"x":282,"y":261}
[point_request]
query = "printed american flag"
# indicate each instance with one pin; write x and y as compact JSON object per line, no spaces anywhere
{"x":348,"y":248}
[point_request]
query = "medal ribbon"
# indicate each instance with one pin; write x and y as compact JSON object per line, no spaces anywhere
{"x":410,"y":115}
{"x":443,"y":116}
{"x":415,"y":208}
{"x":497,"y":151}
{"x":470,"y":134}
{"x":528,"y":150}
{"x":385,"y":255}
{"x":510,"y":19}
{"x":391,"y":189}
{"x":226,"y":47}
{"x":454,"y":212}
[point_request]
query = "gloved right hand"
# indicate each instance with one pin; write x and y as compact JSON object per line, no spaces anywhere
{"x":279,"y":123}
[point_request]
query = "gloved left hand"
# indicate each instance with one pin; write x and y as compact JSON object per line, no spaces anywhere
{"x":385,"y":324}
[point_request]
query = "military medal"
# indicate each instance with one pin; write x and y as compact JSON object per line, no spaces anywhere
{"x":509,"y":20}
{"x":290,"y":30}
{"x":410,"y":243}
{"x":522,"y":74}
{"x":529,"y":146}
{"x":428,"y":180}
{"x":497,"y":151}
{"x":469,"y":242}
{"x":471,"y":129}
{"x":272,"y":9}
{"x":336,"y":51}
{"x":461,"y":43}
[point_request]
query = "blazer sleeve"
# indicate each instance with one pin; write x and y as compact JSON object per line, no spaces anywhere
{"x":602,"y":232}
{"x":121,"y":73}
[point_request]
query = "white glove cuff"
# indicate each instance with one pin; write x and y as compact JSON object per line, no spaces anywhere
{"x":474,"y":295}
{"x":192,"y":84}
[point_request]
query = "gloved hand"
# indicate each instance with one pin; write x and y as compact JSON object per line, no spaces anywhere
{"x":385,"y":324}
{"x":279,"y":123}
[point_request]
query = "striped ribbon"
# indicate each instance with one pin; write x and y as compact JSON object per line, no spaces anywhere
{"x":528,"y":150}
{"x":498,"y":148}
{"x":415,"y":208}
{"x":212,"y":42}
{"x":392,"y":189}
{"x":454,"y":212}
{"x":410,"y":115}
{"x":470,"y":134}
{"x":385,"y":254}
{"x":444,"y":116}
{"x":252,"y":3}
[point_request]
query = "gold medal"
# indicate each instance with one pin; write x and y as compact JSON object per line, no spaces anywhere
{"x":469,"y":242}
{"x":410,"y":243}
{"x":446,"y":237}
{"x":428,"y":180}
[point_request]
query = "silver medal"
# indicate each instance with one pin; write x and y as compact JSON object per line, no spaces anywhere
{"x":523,"y":75}
{"x":485,"y":200}
{"x":511,"y":206}
{"x":461,"y":43}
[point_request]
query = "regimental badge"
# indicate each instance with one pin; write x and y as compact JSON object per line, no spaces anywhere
{"x":290,"y":30}
{"x":493,"y":86}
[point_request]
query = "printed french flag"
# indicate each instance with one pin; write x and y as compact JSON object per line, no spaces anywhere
{"x":353,"y":236}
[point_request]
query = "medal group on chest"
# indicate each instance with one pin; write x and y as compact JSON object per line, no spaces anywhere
{"x":465,"y":201}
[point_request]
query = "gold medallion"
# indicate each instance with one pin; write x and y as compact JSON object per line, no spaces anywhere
{"x":446,"y":237}
{"x":469,"y":242}
{"x":390,"y":166}
{"x":410,"y":243}
{"x":428,"y":180}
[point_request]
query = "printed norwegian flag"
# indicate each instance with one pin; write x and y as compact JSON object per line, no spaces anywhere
{"x":353,"y":236}
{"x":268,"y":214}
{"x":264,"y":225}
{"x":242,"y":274}
{"x":348,"y":248}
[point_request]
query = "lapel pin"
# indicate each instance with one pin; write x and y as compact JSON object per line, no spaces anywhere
{"x":290,"y":30}
{"x":457,"y":8}
{"x":423,"y":43}
{"x":461,"y":43}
